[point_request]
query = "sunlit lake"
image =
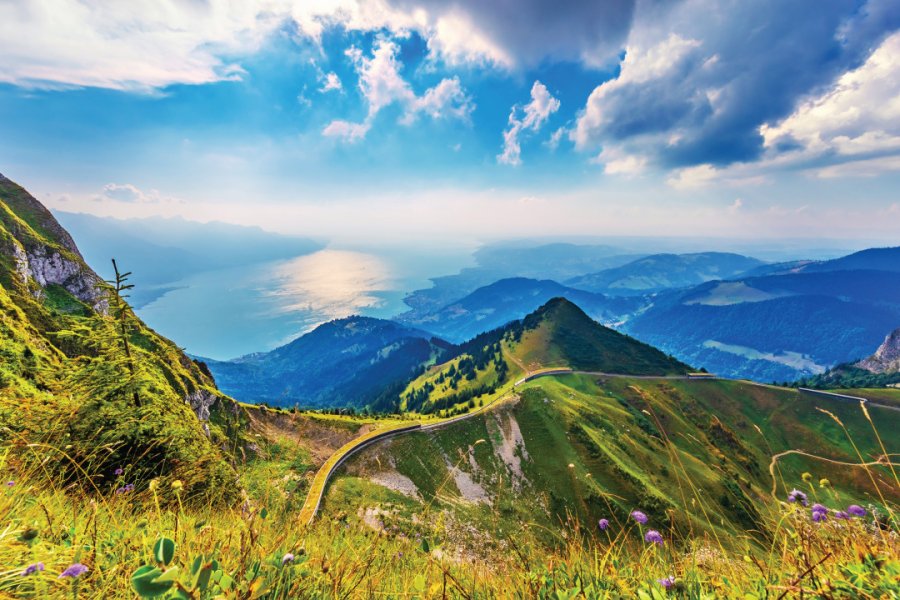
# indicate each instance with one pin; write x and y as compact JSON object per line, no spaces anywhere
{"x":231,"y":312}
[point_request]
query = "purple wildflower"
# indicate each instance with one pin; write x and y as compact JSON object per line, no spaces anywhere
{"x":798,"y":496}
{"x":74,"y":571}
{"x":856,"y":510}
{"x":128,"y":487}
{"x":840,"y":514}
{"x":603,"y":524}
{"x":10,"y":483}
{"x":653,"y":537}
{"x":819,"y":507}
{"x":119,"y":471}
{"x":667,"y":582}
{"x":30,"y":569}
{"x":287,"y":558}
{"x":639,"y":517}
{"x":818,"y":516}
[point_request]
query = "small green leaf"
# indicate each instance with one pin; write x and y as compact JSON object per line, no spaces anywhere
{"x":164,"y":550}
{"x":225,"y":581}
{"x":425,"y":547}
{"x":204,"y":577}
{"x":145,"y":582}
{"x":168,"y":575}
{"x":263,"y":513}
{"x":419,"y":583}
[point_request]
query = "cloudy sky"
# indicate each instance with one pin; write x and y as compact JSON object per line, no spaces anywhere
{"x":429,"y":119}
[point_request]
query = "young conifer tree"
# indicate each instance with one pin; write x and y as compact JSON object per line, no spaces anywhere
{"x":124,"y":317}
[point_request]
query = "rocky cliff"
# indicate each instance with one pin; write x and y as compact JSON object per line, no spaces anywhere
{"x":887,"y":358}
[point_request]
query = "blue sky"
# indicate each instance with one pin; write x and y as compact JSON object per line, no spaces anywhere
{"x":471,"y":120}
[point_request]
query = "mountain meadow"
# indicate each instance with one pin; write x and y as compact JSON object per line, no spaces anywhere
{"x":546,"y":456}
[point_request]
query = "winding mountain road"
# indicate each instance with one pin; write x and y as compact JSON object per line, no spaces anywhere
{"x":320,"y":481}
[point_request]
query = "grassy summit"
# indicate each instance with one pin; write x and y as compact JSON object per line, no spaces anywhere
{"x":556,"y":335}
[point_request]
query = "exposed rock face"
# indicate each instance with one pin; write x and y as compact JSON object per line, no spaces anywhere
{"x":21,"y":260}
{"x":47,"y":267}
{"x":201,"y":402}
{"x":43,"y":252}
{"x":887,"y":358}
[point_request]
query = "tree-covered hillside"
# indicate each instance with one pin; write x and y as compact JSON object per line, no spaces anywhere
{"x":351,"y":362}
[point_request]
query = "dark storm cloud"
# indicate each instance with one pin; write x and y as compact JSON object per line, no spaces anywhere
{"x":531,"y":31}
{"x":752,"y":64}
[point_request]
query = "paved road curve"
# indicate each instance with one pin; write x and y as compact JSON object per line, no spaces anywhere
{"x":320,"y":481}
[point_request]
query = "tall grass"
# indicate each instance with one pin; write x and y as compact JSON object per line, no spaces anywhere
{"x":191,"y":547}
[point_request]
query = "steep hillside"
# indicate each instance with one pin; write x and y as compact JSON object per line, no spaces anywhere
{"x":780,"y":327}
{"x":558,"y":334}
{"x":80,"y":369}
{"x":348,"y":362}
{"x":693,"y":455}
{"x":497,"y":304}
{"x":665,"y":271}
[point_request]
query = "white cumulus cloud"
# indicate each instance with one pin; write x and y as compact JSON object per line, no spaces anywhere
{"x":528,"y":118}
{"x":381,"y":84}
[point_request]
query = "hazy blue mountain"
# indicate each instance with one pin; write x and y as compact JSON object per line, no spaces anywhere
{"x":162,"y":251}
{"x":878,"y":259}
{"x":665,"y":271}
{"x":346,"y":362}
{"x":506,"y":260}
{"x":779,"y":268}
{"x":778,"y":327}
{"x":510,"y":299}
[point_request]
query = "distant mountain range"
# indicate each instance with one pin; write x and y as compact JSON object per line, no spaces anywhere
{"x":506,"y":300}
{"x":744,"y":318}
{"x":659,"y":272}
{"x":162,"y":251}
{"x":557,"y":261}
{"x":783,"y":326}
{"x":732,"y":314}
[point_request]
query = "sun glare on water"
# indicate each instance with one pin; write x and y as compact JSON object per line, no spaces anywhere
{"x":332,"y":283}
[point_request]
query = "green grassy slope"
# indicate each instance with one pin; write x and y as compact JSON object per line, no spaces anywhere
{"x":696,"y":453}
{"x":66,"y":384}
